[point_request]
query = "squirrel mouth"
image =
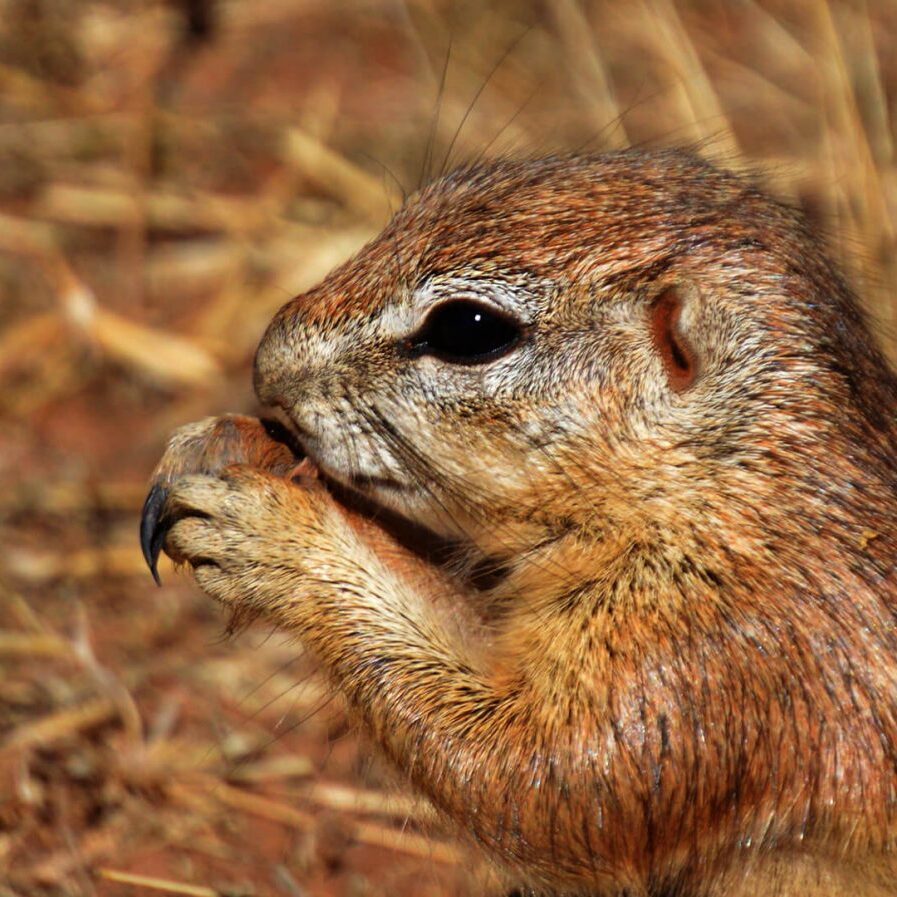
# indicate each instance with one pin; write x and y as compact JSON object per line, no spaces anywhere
{"x":357,"y":494}
{"x":284,"y":430}
{"x":364,"y":482}
{"x":418,"y":539}
{"x":479,"y":572}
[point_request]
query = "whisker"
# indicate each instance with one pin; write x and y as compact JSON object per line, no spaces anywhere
{"x":483,"y":152}
{"x":508,"y":50}
{"x":261,"y":684}
{"x":266,"y":745}
{"x":427,"y":471}
{"x":301,"y":681}
{"x":387,"y":171}
{"x":434,"y":123}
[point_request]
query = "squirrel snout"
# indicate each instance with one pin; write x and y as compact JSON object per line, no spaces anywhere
{"x":275,"y":365}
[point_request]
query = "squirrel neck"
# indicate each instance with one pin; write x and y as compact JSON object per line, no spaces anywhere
{"x":720,"y":540}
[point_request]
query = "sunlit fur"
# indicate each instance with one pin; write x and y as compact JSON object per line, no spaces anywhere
{"x":685,"y":684}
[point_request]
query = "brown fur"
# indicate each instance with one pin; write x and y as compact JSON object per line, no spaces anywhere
{"x":684,"y":680}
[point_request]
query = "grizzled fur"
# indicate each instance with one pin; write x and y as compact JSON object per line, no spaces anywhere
{"x":681,"y":678}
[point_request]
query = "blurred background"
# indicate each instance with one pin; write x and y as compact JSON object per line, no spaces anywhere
{"x":170,"y":174}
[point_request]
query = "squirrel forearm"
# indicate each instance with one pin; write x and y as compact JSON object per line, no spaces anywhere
{"x":474,"y":740}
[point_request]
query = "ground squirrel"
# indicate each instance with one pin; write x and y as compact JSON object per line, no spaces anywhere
{"x":596,"y":528}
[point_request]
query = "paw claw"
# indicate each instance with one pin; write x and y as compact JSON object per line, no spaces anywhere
{"x":153,"y":527}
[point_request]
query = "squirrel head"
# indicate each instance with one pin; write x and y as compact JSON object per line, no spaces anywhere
{"x":538,"y":346}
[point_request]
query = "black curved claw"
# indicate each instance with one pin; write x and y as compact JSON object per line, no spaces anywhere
{"x":153,"y":528}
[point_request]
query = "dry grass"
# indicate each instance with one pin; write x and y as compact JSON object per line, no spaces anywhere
{"x":161,"y":194}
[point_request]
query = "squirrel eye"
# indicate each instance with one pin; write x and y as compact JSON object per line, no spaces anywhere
{"x":465,"y":332}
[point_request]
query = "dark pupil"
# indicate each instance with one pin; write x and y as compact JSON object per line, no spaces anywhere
{"x":466,"y":332}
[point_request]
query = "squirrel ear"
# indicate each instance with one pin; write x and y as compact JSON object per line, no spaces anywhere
{"x":676,"y":352}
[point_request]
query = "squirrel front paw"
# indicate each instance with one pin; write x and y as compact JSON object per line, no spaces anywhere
{"x":263,"y":528}
{"x":244,"y":532}
{"x":207,"y":447}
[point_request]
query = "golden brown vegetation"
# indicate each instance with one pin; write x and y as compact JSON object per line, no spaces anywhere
{"x":163,"y":189}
